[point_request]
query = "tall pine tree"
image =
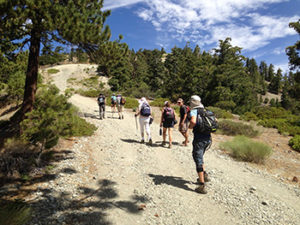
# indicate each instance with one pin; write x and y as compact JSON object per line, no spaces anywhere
{"x":38,"y":22}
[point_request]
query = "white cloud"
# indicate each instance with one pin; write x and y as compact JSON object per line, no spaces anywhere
{"x":278,"y":51}
{"x":205,"y":22}
{"x":113,"y":4}
{"x":283,"y":66}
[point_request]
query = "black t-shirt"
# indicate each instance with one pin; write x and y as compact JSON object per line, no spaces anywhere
{"x":183,"y":111}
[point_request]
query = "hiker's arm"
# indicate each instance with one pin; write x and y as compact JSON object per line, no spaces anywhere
{"x":192,"y":122}
{"x":138,"y":112}
{"x":161,"y":118}
{"x":184,"y":118}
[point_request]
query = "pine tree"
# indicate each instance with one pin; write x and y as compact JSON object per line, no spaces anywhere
{"x":294,"y":76}
{"x":275,"y":84}
{"x":270,"y":73}
{"x":231,"y":78}
{"x":41,"y":21}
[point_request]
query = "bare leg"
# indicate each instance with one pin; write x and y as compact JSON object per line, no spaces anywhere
{"x":170,"y":137}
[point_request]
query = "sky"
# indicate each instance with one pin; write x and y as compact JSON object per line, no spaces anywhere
{"x":259,"y":27}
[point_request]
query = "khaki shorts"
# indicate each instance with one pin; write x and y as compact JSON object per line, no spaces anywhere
{"x":120,"y":108}
{"x":184,"y":127}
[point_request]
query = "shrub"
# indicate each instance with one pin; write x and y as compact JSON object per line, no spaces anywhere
{"x":243,"y":148}
{"x":283,"y":125}
{"x":295,"y":143}
{"x":232,"y":128}
{"x":15,"y":213}
{"x":227,"y":105}
{"x":131,"y":103}
{"x":220,"y":113}
{"x":249,"y":116}
{"x":52,"y":71}
{"x":266,"y":100}
{"x":159,"y":102}
{"x":273,"y":102}
{"x":88,"y":93}
{"x":51,"y":118}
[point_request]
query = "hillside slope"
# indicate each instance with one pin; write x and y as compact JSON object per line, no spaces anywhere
{"x":110,"y":178}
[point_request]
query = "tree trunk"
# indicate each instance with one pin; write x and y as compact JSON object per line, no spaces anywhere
{"x":31,"y":74}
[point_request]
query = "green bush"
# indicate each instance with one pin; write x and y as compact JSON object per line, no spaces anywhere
{"x":295,"y":143}
{"x":131,"y":103}
{"x":249,"y":116}
{"x":282,"y":125}
{"x":267,"y":112}
{"x":159,"y":102}
{"x":52,"y":71}
{"x":276,"y":117}
{"x":15,"y":213}
{"x":220,"y":113}
{"x":227,"y":105}
{"x":51,"y":118}
{"x":266,"y":100}
{"x":243,"y":148}
{"x":232,"y":128}
{"x":88,"y":93}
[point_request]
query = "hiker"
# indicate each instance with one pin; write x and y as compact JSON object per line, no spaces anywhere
{"x":145,"y":112}
{"x":101,"y":103}
{"x":120,"y":105}
{"x":167,"y":122}
{"x":201,"y":143}
{"x":184,"y":120}
{"x":113,"y":101}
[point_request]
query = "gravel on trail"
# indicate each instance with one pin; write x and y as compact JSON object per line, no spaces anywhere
{"x":111,"y":178}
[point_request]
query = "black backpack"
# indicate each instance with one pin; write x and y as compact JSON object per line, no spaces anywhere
{"x":206,"y":122}
{"x":101,"y":99}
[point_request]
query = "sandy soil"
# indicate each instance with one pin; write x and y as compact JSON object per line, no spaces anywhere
{"x":125,"y":182}
{"x":166,"y":177}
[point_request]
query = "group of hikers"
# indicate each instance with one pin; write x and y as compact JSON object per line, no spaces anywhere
{"x":117,"y":103}
{"x":194,"y":116}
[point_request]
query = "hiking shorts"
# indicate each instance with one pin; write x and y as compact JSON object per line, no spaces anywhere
{"x":168,"y":123}
{"x":199,"y":148}
{"x":184,"y":127}
{"x":120,"y":108}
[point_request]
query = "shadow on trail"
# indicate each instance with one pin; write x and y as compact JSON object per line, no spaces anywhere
{"x":90,"y":208}
{"x":171,"y":180}
{"x":131,"y":141}
{"x":55,"y":206}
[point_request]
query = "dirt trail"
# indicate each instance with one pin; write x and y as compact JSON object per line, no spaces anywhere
{"x":125,"y":182}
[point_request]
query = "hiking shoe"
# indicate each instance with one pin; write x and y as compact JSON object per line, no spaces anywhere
{"x":206,"y":178}
{"x":142,"y":141}
{"x":201,"y":189}
{"x":119,"y":117}
{"x":150,"y":141}
{"x":163,"y":143}
{"x":122,"y":117}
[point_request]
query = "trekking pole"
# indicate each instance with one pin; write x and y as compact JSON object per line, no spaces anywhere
{"x":136,"y":123}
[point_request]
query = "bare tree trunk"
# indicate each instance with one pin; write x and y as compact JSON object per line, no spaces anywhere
{"x":31,"y":75}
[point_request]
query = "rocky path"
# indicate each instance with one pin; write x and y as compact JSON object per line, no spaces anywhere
{"x":111,"y":178}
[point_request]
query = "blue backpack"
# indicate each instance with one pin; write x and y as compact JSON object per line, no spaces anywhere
{"x":145,"y":110}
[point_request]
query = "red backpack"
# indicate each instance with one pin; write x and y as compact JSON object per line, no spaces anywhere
{"x":188,"y":111}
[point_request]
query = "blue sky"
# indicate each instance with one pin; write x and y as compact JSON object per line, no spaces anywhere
{"x":260,"y":27}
